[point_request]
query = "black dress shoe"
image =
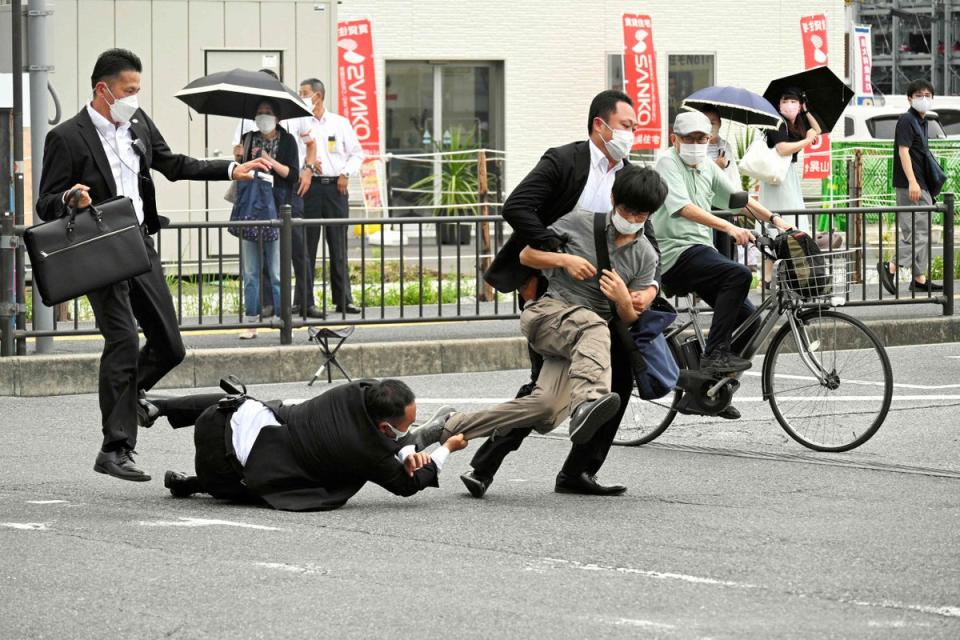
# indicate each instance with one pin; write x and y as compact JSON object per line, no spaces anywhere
{"x":348,"y":309}
{"x":587,"y":485}
{"x":590,"y":416}
{"x":730,"y":413}
{"x":180,"y":484}
{"x":314,"y":312}
{"x":928,"y":286}
{"x":147,"y":413}
{"x":119,"y":464}
{"x":476,"y":484}
{"x":886,"y":278}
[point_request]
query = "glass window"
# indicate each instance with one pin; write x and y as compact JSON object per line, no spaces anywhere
{"x":848,"y":126}
{"x":615,"y":71}
{"x":686,"y":74}
{"x":434,"y":106}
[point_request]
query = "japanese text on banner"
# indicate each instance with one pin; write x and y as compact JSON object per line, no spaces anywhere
{"x":358,"y":101}
{"x":640,"y":79}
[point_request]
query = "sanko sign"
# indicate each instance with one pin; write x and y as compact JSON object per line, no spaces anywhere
{"x":358,"y":97}
{"x":640,"y":79}
{"x":358,"y":103}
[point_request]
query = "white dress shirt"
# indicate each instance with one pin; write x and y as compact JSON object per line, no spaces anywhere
{"x":596,"y":193}
{"x":252,"y":416}
{"x":124,"y":162}
{"x":299,"y":128}
{"x":338,"y":149}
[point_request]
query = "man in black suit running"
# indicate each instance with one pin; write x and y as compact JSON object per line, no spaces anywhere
{"x":107,"y":150}
{"x":579,"y":174}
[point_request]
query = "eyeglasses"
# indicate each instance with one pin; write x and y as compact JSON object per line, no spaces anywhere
{"x":695,"y":138}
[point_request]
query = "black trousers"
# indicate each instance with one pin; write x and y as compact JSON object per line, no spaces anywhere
{"x":324,"y":201}
{"x":217,"y":469}
{"x":125,"y":367}
{"x":721,"y":283}
{"x":587,"y":457}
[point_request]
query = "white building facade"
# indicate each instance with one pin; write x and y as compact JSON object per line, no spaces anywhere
{"x":514,"y":75}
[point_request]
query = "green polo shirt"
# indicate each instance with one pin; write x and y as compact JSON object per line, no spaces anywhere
{"x":704,"y":186}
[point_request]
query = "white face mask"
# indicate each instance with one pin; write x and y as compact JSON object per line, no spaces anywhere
{"x":624,"y":226}
{"x":265,"y":122}
{"x":619,"y":146}
{"x":123,"y":109}
{"x":922,"y":105}
{"x":693,"y":154}
{"x":397,"y":434}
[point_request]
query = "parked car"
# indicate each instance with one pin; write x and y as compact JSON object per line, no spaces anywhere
{"x":947,"y":107}
{"x":878,"y":123}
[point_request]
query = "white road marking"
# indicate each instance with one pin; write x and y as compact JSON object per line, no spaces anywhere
{"x":647,"y":624}
{"x":902,"y":385}
{"x":46,"y":501}
{"x":291,"y":568}
{"x":203,"y":522}
{"x":738,"y":399}
{"x":658,"y":575}
{"x":944,"y":611}
{"x":947,"y":612}
{"x":26,"y":526}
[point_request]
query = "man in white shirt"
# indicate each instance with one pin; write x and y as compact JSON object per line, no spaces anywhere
{"x":304,"y":456}
{"x":339,"y":156}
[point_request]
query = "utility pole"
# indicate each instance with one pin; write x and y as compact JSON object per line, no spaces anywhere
{"x":38,"y":59}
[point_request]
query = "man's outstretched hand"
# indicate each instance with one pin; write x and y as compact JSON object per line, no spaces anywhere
{"x":245,"y":171}
{"x":416,"y":461}
{"x":455,"y":443}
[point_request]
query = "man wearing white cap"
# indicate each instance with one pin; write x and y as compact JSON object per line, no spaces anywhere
{"x":684,"y":227}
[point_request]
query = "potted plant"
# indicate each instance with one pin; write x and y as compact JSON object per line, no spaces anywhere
{"x":458,"y":185}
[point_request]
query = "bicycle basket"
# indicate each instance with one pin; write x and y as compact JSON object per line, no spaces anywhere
{"x":817,"y":277}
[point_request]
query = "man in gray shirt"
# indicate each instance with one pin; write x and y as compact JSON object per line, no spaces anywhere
{"x":568,"y":325}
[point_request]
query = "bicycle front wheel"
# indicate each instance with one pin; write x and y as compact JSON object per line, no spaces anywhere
{"x":845,"y":408}
{"x":645,"y":420}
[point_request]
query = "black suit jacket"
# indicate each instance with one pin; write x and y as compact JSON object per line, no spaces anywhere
{"x":326,"y":450}
{"x":73,"y":153}
{"x":546,"y":194}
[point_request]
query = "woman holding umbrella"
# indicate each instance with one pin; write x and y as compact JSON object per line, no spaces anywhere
{"x":799,"y":130}
{"x":279,"y":149}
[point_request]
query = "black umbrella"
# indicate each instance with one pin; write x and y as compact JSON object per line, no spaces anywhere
{"x":236,"y":93}
{"x":827,"y":95}
{"x":734,"y":103}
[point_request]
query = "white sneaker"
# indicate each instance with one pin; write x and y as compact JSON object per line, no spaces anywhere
{"x":248,"y":334}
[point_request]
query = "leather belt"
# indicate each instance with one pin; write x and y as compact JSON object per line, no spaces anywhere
{"x":325,"y":179}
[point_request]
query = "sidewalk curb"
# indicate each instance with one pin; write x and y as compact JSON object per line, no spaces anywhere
{"x":43,"y":375}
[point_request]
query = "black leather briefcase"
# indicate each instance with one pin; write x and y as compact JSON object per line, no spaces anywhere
{"x":86,"y":250}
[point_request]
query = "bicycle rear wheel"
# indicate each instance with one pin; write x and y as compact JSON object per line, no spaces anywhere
{"x":846,"y":410}
{"x":645,"y":420}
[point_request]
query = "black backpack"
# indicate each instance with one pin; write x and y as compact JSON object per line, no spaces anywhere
{"x":805,"y":270}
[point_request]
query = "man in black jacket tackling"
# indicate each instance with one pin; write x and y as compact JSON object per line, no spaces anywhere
{"x":579,"y":174}
{"x":107,"y":150}
{"x":309,"y":456}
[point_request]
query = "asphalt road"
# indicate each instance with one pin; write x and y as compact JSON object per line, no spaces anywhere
{"x":728,"y":530}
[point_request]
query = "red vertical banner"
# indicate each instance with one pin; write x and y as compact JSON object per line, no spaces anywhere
{"x":813,"y":31}
{"x":640,"y":79}
{"x":358,"y":100}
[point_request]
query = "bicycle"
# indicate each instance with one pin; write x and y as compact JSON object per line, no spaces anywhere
{"x":817,"y":361}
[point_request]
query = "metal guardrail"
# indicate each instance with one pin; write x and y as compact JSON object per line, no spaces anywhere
{"x":425,"y":271}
